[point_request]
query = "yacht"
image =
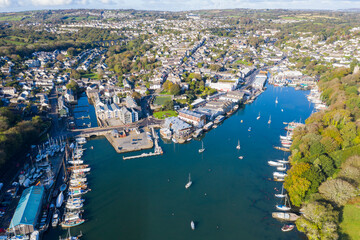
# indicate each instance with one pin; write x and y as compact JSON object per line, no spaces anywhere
{"x":192,"y":224}
{"x":202,"y":149}
{"x":188,"y":184}
{"x":238,"y":146}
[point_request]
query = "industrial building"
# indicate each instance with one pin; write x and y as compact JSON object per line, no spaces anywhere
{"x":27,"y":211}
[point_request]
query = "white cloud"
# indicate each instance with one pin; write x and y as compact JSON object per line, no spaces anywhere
{"x":51,"y":2}
{"x":5,"y":3}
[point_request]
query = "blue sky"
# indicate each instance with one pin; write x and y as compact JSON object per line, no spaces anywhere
{"x":175,"y":5}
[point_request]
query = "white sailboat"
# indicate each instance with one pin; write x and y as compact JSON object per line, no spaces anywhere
{"x":202,"y":149}
{"x":281,"y":195}
{"x":276,"y":100}
{"x":258,"y":117}
{"x":188,"y":184}
{"x":238,"y":146}
{"x":285,"y":207}
{"x":192,"y":224}
{"x":269,"y":120}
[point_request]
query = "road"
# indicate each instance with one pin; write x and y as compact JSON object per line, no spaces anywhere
{"x":141,"y":123}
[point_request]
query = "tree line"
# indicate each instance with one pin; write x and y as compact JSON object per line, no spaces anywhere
{"x":325,"y":157}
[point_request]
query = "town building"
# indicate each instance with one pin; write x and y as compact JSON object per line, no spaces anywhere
{"x":236,"y":96}
{"x":194,"y":118}
{"x":178,"y":126}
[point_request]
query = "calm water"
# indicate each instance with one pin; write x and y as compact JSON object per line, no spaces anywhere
{"x":83,"y":108}
{"x":145,"y":199}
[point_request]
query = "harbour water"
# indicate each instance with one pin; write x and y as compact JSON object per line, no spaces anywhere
{"x":146,"y":199}
{"x":84,"y":113}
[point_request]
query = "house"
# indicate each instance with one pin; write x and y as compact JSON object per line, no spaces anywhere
{"x":69,"y":96}
{"x":9,"y":91}
{"x":194,"y":118}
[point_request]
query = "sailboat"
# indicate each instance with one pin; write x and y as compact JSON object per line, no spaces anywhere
{"x":258,"y":117}
{"x":276,"y":100}
{"x":69,"y":237}
{"x":202,"y":149}
{"x":192,"y":224}
{"x":269,"y":120}
{"x":281,"y":195}
{"x":238,"y":146}
{"x":285,"y":207}
{"x":188,"y":184}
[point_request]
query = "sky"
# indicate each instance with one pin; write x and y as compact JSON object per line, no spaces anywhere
{"x":175,"y":5}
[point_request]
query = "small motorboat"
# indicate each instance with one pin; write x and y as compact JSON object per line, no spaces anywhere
{"x":192,"y":224}
{"x":241,"y":157}
{"x":249,"y":129}
{"x":63,"y":187}
{"x":55,"y":219}
{"x":287,"y":227}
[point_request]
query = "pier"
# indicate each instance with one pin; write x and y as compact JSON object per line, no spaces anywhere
{"x":142,"y":155}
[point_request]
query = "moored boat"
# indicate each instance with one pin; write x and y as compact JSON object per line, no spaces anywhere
{"x":189,"y":183}
{"x":287,"y":227}
{"x":279,"y":174}
{"x":55,"y":218}
{"x":292,"y":217}
{"x":192,"y":225}
{"x":59,"y":200}
{"x":275,"y":164}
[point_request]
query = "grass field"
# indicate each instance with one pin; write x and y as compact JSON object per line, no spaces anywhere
{"x":11,"y":17}
{"x":91,"y":75}
{"x":165,"y":114}
{"x":160,"y":100}
{"x":351,"y":218}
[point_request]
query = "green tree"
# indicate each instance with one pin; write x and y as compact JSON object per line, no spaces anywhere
{"x":175,"y":89}
{"x":75,"y":74}
{"x":337,"y":190}
{"x":73,"y":86}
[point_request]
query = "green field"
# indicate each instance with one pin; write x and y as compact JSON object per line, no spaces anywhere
{"x":165,"y":114}
{"x":12,"y":17}
{"x":160,"y":100}
{"x":351,"y":218}
{"x":90,"y":75}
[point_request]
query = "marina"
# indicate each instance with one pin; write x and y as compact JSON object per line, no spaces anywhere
{"x":228,"y":197}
